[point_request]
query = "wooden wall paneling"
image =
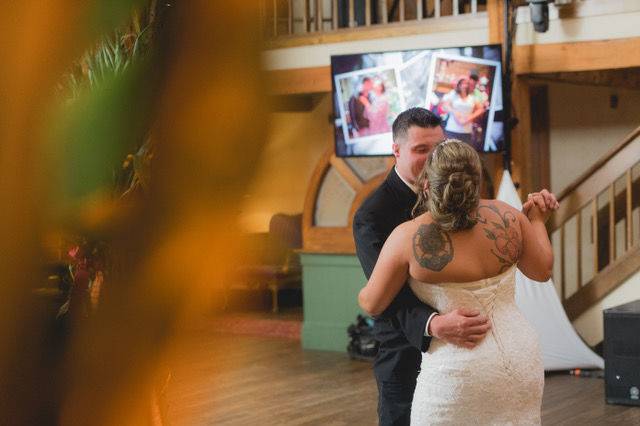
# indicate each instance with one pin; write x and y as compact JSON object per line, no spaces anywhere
{"x":329,"y":240}
{"x":299,"y":81}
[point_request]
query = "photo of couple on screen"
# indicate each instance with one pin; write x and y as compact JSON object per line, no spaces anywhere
{"x":462,"y":85}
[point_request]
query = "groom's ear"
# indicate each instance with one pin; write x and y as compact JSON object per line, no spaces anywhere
{"x":396,"y":149}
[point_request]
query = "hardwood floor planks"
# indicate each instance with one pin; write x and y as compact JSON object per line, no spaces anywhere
{"x":220,"y":379}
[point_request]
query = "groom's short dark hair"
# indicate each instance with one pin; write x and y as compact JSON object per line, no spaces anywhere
{"x":417,"y":116}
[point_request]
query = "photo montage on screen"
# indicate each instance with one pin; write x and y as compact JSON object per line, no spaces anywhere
{"x":463,"y":85}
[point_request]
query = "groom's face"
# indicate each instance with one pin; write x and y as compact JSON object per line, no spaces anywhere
{"x":412,"y":152}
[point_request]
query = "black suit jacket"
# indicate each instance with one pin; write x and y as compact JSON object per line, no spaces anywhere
{"x":401,"y":328}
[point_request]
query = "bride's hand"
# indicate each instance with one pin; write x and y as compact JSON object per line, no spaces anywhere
{"x":462,"y":327}
{"x":537,"y":208}
{"x":549,"y":198}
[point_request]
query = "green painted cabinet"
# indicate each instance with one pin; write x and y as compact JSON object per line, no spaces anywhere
{"x":330,"y":286}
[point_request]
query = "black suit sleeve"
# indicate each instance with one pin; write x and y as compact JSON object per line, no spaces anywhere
{"x":406,"y":312}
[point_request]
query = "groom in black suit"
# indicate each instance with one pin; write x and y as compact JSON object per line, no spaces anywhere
{"x":404,"y":330}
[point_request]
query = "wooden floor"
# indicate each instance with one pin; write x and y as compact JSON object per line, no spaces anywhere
{"x":222,"y":379}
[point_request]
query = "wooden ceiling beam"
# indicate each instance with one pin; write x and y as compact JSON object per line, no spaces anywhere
{"x":577,"y":56}
{"x":299,"y":81}
{"x":627,"y":78}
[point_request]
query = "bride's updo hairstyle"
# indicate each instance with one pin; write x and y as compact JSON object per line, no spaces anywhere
{"x":452,"y":173}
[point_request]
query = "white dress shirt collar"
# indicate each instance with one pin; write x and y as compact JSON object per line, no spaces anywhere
{"x":412,"y":187}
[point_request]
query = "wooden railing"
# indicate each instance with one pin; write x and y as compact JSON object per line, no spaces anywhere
{"x":296,"y":17}
{"x":603,"y":198}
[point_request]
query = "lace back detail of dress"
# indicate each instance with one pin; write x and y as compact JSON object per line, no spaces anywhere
{"x":498,"y":382}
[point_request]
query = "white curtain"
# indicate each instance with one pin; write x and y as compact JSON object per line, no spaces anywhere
{"x":562,"y":348}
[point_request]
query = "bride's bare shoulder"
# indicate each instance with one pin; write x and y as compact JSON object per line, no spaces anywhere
{"x":489,"y":209}
{"x":410,"y":227}
{"x":406,"y":230}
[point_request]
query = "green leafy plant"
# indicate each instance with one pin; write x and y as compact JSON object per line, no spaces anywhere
{"x":97,"y":90}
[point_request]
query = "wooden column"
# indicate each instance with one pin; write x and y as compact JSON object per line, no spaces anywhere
{"x":540,"y":150}
{"x":495,"y":10}
{"x":521,"y":136}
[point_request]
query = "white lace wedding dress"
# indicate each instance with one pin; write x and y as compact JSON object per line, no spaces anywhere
{"x":499,"y":382}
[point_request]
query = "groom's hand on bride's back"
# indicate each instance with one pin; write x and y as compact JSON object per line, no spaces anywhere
{"x":462,"y":327}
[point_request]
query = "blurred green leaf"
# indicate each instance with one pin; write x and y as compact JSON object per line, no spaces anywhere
{"x":98,"y":129}
{"x":103,"y":116}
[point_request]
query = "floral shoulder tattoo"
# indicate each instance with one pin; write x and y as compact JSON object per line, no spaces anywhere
{"x":502,"y":228}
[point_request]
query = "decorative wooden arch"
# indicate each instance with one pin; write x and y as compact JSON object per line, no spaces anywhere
{"x":335,"y":239}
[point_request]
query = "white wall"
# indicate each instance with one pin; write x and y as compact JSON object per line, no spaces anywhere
{"x":583,"y":127}
{"x":584,"y":20}
{"x":295,"y":144}
{"x":589,"y":325}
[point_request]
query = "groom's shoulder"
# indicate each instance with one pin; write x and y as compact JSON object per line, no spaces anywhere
{"x":378,"y":201}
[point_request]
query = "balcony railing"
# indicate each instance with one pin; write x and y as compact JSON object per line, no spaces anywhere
{"x":297,"y":17}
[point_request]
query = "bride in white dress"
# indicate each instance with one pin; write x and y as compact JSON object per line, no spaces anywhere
{"x":463,"y":253}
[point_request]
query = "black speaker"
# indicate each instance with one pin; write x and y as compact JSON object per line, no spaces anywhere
{"x":622,"y":354}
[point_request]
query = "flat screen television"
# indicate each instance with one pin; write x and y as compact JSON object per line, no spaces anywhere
{"x":461,"y":84}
